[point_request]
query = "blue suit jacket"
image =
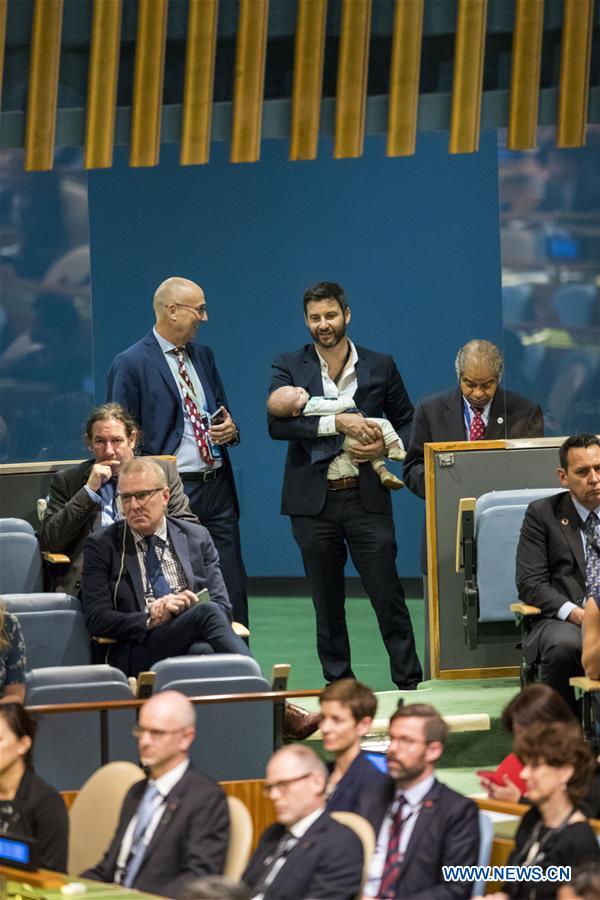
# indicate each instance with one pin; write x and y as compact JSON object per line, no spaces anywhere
{"x":380,"y":391}
{"x":113,"y":599}
{"x":141,"y":381}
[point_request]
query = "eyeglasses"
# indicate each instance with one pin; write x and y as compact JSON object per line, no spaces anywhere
{"x":142,"y":497}
{"x":406,"y":741}
{"x":199,"y":310}
{"x":282,"y":786}
{"x":155,"y":733}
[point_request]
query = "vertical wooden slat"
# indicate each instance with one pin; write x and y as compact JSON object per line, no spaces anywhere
{"x":575,"y":57}
{"x":102,"y":84}
{"x":525,"y":76}
{"x":250,"y":58}
{"x":467,"y":83}
{"x":309,"y":54}
{"x":353,"y":66}
{"x":199,"y":79}
{"x":404,"y":77}
{"x":148,"y":82}
{"x":42,"y":95}
{"x":3,"y":9}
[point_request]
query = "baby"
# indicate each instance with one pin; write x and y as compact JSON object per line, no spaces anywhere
{"x":295,"y":401}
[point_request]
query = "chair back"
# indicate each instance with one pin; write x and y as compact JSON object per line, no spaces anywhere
{"x":241,"y":832}
{"x":216,"y":751}
{"x":364,"y":830}
{"x":21,"y":569}
{"x":16,"y":526}
{"x":53,"y":627}
{"x":95,"y":812}
{"x":498,"y":519}
{"x":68,"y":746}
{"x":486,"y":838}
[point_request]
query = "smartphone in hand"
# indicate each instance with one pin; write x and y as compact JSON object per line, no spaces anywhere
{"x":219,"y":416}
{"x":202,"y":596}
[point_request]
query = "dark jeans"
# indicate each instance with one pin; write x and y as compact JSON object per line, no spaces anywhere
{"x":212,"y":502}
{"x":202,"y":622}
{"x":324,"y":541}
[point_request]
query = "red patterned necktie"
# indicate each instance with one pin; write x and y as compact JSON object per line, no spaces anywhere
{"x":393,"y":860}
{"x":477,"y":427}
{"x":196,"y":418}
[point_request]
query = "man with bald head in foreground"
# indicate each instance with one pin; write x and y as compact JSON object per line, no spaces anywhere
{"x":174,"y":825}
{"x":171,"y":386}
{"x":306,"y":854}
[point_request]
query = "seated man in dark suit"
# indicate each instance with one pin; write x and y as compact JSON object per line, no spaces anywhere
{"x":558,"y":563}
{"x":141,"y":576}
{"x":307,"y":853}
{"x":82,"y":497}
{"x":174,"y":825}
{"x":347,"y":712}
{"x":423,"y":825}
{"x":477,"y":409}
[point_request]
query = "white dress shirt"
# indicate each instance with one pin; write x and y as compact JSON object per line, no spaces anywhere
{"x":568,"y":607}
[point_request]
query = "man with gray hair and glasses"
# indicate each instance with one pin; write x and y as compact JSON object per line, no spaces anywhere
{"x":142,"y":575}
{"x":174,"y":825}
{"x":306,"y":853}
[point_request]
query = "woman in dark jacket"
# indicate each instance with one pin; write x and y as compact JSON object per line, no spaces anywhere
{"x":28,"y":806}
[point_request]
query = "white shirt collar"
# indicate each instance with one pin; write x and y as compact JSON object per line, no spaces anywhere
{"x":160,"y":532}
{"x":165,"y":783}
{"x":352,"y":358}
{"x":299,"y":829}
{"x":165,"y":345}
{"x":414,"y":794}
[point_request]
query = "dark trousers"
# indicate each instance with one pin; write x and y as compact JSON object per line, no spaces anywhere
{"x":324,"y":541}
{"x":212,"y":502}
{"x":556,"y":646}
{"x":202,"y":622}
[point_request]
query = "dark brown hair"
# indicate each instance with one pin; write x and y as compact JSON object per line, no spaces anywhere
{"x":21,"y":724}
{"x":576,"y":440}
{"x":112,"y":411}
{"x":435,"y":727}
{"x":535,"y":704}
{"x":360,"y":700}
{"x":559,"y":744}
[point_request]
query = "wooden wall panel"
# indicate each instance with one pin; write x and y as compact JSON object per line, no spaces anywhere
{"x":309,"y":53}
{"x":199,"y":79}
{"x":353,"y":66}
{"x":102,"y":84}
{"x":250,"y":58}
{"x":525,"y":76}
{"x":146,"y":107}
{"x":40,"y":127}
{"x":467,"y":84}
{"x":575,"y":57}
{"x":404,"y":77}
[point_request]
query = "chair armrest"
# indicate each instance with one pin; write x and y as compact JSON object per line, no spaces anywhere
{"x":55,"y":557}
{"x":587,"y":685}
{"x":103,"y":640}
{"x":465,"y":504}
{"x":279,"y":676}
{"x":41,"y":508}
{"x":240,"y":629}
{"x":524,"y":609}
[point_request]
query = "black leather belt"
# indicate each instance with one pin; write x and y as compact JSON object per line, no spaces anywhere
{"x":343,"y":484}
{"x":205,"y":475}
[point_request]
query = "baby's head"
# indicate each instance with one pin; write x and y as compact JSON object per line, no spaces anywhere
{"x":287,"y":401}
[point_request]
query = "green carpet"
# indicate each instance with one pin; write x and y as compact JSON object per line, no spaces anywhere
{"x":283,"y":630}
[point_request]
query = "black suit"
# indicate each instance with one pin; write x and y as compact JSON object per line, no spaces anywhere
{"x":190,"y":840}
{"x":441,"y":418}
{"x":72,"y":515}
{"x":113,"y":598}
{"x":551,"y":571}
{"x":353,"y":792}
{"x":325,"y":523}
{"x":325,"y":864}
{"x":446,"y":833}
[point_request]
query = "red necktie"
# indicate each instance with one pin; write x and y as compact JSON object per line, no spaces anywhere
{"x":393,"y":860}
{"x":196,"y":417}
{"x":477,"y":427}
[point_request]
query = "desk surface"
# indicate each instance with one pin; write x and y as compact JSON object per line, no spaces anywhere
{"x":46,"y":885}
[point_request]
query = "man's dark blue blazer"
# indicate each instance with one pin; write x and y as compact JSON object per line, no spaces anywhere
{"x":380,"y":392}
{"x":141,"y":381}
{"x":446,"y":833}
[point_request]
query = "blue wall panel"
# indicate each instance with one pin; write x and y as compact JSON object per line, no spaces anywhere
{"x":414,"y":241}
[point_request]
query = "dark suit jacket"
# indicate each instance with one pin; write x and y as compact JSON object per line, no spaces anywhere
{"x":446,"y":833}
{"x":353,"y":792}
{"x":380,"y":391}
{"x":441,"y":418}
{"x":325,"y":864}
{"x":190,"y":840}
{"x":113,"y":603}
{"x":550,"y":557}
{"x":72,"y":515}
{"x":140,"y":379}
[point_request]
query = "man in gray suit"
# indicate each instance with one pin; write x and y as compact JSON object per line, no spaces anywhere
{"x":82,"y":497}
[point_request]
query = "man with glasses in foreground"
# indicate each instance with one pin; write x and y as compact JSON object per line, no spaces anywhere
{"x":141,"y":577}
{"x":423,"y":824}
{"x":171,"y":386}
{"x":307,"y":854}
{"x":174,"y":825}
